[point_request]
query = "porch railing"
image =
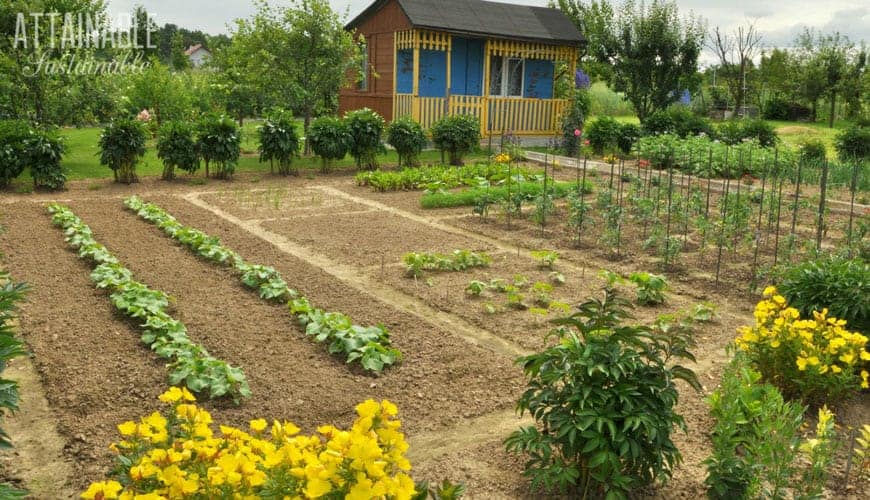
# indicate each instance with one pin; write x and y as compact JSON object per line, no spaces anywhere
{"x":496,"y":114}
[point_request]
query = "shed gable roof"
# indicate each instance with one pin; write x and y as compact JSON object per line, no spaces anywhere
{"x":484,"y":18}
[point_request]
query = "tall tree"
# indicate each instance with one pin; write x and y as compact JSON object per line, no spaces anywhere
{"x":735,"y":53}
{"x":828,"y":62}
{"x":654,"y":54}
{"x":595,"y":20}
{"x":299,"y":55}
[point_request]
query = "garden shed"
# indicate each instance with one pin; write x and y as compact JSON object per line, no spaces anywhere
{"x":430,"y":58}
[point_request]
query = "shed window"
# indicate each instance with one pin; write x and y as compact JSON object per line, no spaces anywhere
{"x":506,"y":76}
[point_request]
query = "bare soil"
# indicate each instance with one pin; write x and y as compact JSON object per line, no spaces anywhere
{"x":340,"y":245}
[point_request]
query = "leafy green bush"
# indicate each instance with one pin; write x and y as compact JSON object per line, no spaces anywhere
{"x":330,"y":139}
{"x":573,"y":120}
{"x":813,"y":151}
{"x":407,"y":137}
{"x":44,"y":151}
{"x":218,"y":140}
{"x":730,"y":132}
{"x":279,"y":141}
{"x":761,"y":131}
{"x":853,"y":143}
{"x":366,"y":128}
{"x":176,"y":147}
{"x":459,"y":260}
{"x":629,"y":133}
{"x":122,"y":144}
{"x":457,"y":135}
{"x":603,"y":134}
{"x":690,"y":124}
{"x":660,"y":122}
{"x":13,"y":159}
{"x":837,"y":283}
{"x":11,"y":294}
{"x":603,"y":398}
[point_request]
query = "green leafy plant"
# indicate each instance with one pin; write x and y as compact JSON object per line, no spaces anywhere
{"x":541,"y":294}
{"x":650,"y":288}
{"x":603,"y":134}
{"x":853,"y":143}
{"x":13,"y":158}
{"x":603,"y":399}
{"x":515,"y":299}
{"x":840,"y":284}
{"x":407,"y":137}
{"x":573,"y":120}
{"x":122,"y":144}
{"x":366,"y":128}
{"x":437,"y":178}
{"x":459,"y":260}
{"x":704,"y":312}
{"x":457,"y":135}
{"x":177,"y":148}
{"x":444,"y":491}
{"x":44,"y":149}
{"x":279,"y":142}
{"x":546,"y":258}
{"x":556,"y":278}
{"x":476,"y":288}
{"x":11,"y":294}
{"x":218,"y":140}
{"x":330,"y":139}
{"x":189,"y":363}
{"x":367,"y":345}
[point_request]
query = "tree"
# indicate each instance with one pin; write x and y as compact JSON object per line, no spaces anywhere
{"x":828,"y":60}
{"x":735,"y":53}
{"x":299,"y":56}
{"x":652,"y":53}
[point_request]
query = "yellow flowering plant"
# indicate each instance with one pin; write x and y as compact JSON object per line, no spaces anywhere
{"x":814,"y":359}
{"x":177,"y":454}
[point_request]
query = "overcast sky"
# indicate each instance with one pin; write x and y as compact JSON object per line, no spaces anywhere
{"x":778,"y":20}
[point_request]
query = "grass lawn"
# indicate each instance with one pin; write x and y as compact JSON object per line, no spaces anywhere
{"x":82,"y":160}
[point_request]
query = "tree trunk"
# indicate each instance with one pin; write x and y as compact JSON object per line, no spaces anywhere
{"x":833,"y":109}
{"x":815,"y":105}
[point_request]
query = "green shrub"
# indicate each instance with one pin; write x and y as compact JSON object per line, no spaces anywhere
{"x":837,"y":283}
{"x":176,"y":148}
{"x":407,"y":137}
{"x":279,"y":141}
{"x":629,"y":133}
{"x":457,"y":135}
{"x":730,"y":132}
{"x":853,"y":143}
{"x":603,"y":134}
{"x":603,"y":398}
{"x":219,"y":141}
{"x":813,"y":151}
{"x":44,"y":151}
{"x":330,"y":139}
{"x":13,"y":160}
{"x":660,"y":122}
{"x":690,"y":124}
{"x":573,"y":120}
{"x":650,"y":288}
{"x":11,"y":294}
{"x":122,"y":144}
{"x":366,"y":128}
{"x":761,"y":131}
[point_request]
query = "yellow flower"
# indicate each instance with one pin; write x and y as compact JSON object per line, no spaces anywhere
{"x":317,"y":488}
{"x":802,"y":364}
{"x":258,"y":425}
{"x":865,"y":356}
{"x":769,"y":291}
{"x":847,"y":358}
{"x":836,"y":369}
{"x":864,"y":375}
{"x":127,"y":428}
{"x":107,"y":490}
{"x":175,"y":394}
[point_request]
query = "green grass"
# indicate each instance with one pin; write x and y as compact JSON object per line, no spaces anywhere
{"x":82,"y":160}
{"x":793,"y":134}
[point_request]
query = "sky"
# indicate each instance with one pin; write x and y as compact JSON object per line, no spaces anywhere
{"x":778,"y":20}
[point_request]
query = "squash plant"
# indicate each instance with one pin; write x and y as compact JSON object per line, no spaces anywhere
{"x":176,"y":147}
{"x":366,"y":128}
{"x":330,"y":139}
{"x":218,"y":140}
{"x":122,"y":145}
{"x":279,"y":142}
{"x":407,"y":137}
{"x":603,"y":399}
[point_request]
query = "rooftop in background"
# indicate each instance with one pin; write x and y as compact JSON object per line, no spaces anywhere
{"x":485,"y":19}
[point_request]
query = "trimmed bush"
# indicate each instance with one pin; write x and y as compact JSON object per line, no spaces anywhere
{"x":177,"y":149}
{"x":629,"y":133}
{"x":813,"y":151}
{"x":839,"y":284}
{"x":457,"y":135}
{"x":44,"y":151}
{"x":13,"y":159}
{"x":330,"y":139}
{"x":219,"y":141}
{"x":760,"y":130}
{"x":122,"y":144}
{"x":603,"y":134}
{"x":853,"y":143}
{"x":366,"y":128}
{"x":407,"y":137}
{"x":660,"y":122}
{"x":279,"y":142}
{"x":573,"y":119}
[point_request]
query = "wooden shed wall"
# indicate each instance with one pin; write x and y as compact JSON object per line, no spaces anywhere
{"x":379,"y":31}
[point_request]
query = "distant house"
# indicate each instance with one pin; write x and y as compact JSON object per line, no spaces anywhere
{"x":494,"y":60}
{"x":198,"y":55}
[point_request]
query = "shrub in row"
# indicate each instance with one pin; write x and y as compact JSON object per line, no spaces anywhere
{"x":369,"y":346}
{"x":38,"y":149}
{"x":358,"y":133}
{"x":191,"y":364}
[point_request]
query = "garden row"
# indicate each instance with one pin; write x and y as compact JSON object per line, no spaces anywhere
{"x":189,"y":363}
{"x":369,"y":346}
